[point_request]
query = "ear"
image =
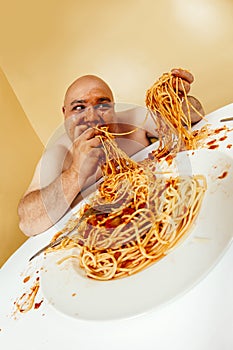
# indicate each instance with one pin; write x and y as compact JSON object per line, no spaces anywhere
{"x":63,"y":110}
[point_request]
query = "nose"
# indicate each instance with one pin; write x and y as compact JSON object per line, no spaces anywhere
{"x":91,"y":114}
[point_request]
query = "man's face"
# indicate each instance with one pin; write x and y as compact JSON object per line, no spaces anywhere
{"x":89,"y":101}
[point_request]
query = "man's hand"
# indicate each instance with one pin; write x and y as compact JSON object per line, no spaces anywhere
{"x":187,"y":79}
{"x":87,"y":152}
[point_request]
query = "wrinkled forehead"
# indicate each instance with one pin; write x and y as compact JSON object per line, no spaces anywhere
{"x":86,"y":88}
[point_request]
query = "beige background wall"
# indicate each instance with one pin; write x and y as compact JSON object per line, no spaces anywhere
{"x":45,"y":45}
{"x":20,"y":149}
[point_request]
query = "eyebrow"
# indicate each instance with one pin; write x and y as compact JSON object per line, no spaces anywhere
{"x":101,"y":99}
{"x":78,"y":101}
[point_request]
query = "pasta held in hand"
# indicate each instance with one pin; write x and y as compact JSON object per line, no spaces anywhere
{"x":171,"y":112}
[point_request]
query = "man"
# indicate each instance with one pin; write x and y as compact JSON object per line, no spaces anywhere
{"x":67,"y":168}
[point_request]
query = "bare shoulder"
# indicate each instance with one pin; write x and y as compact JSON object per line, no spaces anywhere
{"x":55,"y":159}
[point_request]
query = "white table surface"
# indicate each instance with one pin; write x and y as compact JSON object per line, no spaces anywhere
{"x":201,"y":319}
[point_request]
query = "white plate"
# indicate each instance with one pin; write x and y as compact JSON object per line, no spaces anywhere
{"x":70,"y":292}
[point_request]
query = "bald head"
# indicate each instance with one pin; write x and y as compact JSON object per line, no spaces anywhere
{"x":88,"y":89}
{"x":87,"y":83}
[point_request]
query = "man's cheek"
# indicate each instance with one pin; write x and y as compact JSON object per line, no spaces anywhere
{"x":108,"y":116}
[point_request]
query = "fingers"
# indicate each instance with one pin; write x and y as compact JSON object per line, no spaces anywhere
{"x":94,"y":142}
{"x":87,"y":141}
{"x":183,"y":74}
{"x":186,"y":78}
{"x":182,"y":85}
{"x":97,"y":154}
{"x":86,"y":163}
{"x":84,"y":133}
{"x":88,"y":154}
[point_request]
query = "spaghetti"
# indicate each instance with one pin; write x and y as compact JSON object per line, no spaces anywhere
{"x":173,"y":124}
{"x":150,"y":215}
{"x":149,"y":212}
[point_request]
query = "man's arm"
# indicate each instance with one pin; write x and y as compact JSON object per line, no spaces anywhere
{"x":40,"y":209}
{"x":44,"y":205}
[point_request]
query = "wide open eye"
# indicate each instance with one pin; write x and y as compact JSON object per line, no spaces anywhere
{"x":104,"y":107}
{"x":79,"y":108}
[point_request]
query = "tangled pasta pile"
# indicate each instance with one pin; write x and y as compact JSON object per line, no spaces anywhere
{"x":144,"y":213}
